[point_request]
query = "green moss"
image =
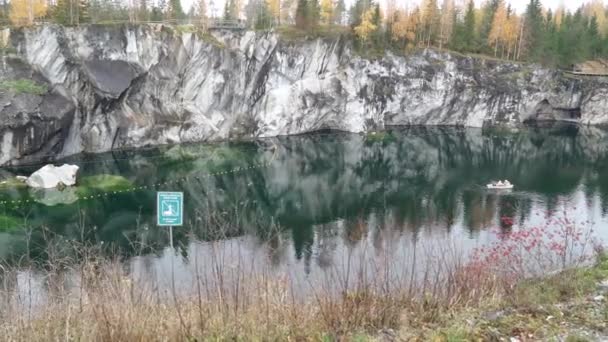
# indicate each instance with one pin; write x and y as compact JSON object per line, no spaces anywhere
{"x":186,"y":29}
{"x":210,"y":39}
{"x":576,"y":338}
{"x":453,"y":334}
{"x":23,"y":86}
{"x":91,"y":184}
{"x":567,"y":285}
{"x":12,"y":183}
{"x":293,"y":34}
{"x":379,"y":137}
{"x":10,"y":223}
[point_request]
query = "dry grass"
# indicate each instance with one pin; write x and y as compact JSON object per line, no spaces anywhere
{"x":98,"y":300}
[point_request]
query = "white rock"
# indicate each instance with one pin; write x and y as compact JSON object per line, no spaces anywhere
{"x":599,"y":298}
{"x":50,"y":176}
{"x":21,"y":178}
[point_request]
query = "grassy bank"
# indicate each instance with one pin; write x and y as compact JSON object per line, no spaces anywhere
{"x":436,"y":295}
{"x":112,"y":308}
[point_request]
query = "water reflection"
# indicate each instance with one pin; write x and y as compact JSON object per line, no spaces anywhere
{"x":320,"y":193}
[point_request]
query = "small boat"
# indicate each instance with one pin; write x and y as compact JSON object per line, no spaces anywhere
{"x":500,"y":185}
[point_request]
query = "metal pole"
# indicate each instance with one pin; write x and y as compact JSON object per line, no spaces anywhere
{"x":171,"y":236}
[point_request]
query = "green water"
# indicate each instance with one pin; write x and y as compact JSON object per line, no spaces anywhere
{"x":314,"y":191}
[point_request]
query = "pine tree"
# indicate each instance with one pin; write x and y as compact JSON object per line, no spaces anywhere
{"x":302,"y":14}
{"x":175,"y":10}
{"x":465,"y":39}
{"x":143,"y":12}
{"x":264,"y":18}
{"x":533,"y":32}
{"x":357,"y":10}
{"x":339,"y":13}
{"x":84,"y":13}
{"x":314,"y":12}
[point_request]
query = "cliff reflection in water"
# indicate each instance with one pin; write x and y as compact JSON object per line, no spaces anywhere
{"x":317,"y":188}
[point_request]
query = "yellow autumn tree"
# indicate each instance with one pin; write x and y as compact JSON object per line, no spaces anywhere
{"x":327,"y":11}
{"x":274,"y":7}
{"x":559,"y":14}
{"x":595,"y":8}
{"x":391,"y":9}
{"x":497,"y":31}
{"x":404,"y":28}
{"x":24,"y":12}
{"x":511,"y":34}
{"x":367,"y":26}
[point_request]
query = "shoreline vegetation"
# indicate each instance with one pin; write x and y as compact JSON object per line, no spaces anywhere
{"x":537,"y":283}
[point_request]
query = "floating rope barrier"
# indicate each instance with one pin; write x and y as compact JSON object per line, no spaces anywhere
{"x":198,"y":176}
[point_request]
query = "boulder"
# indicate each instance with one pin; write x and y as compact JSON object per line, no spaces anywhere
{"x":51,"y":176}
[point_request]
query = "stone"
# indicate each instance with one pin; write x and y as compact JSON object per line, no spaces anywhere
{"x":117,"y":87}
{"x":599,"y":298}
{"x":51,"y":176}
{"x":21,"y":178}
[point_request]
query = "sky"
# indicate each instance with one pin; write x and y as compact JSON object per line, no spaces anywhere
{"x":519,"y":5}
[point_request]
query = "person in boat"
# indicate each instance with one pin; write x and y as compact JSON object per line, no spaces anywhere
{"x":506,"y":183}
{"x":499,"y":183}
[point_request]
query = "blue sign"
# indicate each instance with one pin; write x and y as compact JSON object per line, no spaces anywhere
{"x":169,"y":208}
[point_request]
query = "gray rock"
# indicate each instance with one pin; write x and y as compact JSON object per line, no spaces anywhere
{"x":131,"y":86}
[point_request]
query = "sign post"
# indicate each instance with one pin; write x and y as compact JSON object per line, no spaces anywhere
{"x":169,"y":210}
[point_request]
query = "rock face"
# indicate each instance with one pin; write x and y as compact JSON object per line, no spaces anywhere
{"x":50,"y":176}
{"x":130,"y":86}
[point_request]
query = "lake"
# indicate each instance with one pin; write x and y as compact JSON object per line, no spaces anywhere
{"x":305,"y":205}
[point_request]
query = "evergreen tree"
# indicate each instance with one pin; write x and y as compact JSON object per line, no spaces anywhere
{"x":84,"y":12}
{"x":487,"y":19}
{"x":302,"y":14}
{"x":594,"y":39}
{"x":175,"y":10}
{"x":357,"y":11}
{"x":264,"y":18}
{"x":533,"y":32}
{"x":339,"y":12}
{"x":464,"y":38}
{"x":314,"y":13}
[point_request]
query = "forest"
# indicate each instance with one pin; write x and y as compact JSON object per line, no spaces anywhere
{"x":554,"y":37}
